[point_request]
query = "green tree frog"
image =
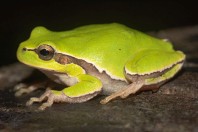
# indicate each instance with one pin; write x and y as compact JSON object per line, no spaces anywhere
{"x":110,"y":59}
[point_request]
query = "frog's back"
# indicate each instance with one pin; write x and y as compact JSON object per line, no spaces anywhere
{"x":107,"y":46}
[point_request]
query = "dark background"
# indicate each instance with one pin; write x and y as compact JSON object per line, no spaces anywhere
{"x":19,"y":18}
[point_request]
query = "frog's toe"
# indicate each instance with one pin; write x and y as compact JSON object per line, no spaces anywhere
{"x":32,"y":100}
{"x":22,"y":88}
{"x":125,"y":95}
{"x":19,"y":86}
{"x":45,"y":105}
{"x":40,"y":99}
{"x":111,"y":97}
{"x":51,"y":98}
{"x":104,"y":101}
{"x":20,"y":92}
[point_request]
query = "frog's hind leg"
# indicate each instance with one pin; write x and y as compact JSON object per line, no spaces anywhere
{"x":125,"y":92}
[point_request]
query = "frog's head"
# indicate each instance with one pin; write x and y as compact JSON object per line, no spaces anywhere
{"x":39,"y":50}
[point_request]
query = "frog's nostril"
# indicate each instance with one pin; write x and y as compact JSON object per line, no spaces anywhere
{"x":24,"y":49}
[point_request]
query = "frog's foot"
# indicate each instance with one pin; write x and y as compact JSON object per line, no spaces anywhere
{"x":22,"y":88}
{"x":47,"y":95}
{"x":123,"y":93}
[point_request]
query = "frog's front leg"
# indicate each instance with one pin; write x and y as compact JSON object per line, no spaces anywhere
{"x":86,"y":88}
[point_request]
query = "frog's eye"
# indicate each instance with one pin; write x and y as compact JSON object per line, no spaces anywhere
{"x":45,"y":52}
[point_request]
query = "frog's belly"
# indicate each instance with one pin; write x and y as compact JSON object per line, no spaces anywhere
{"x":111,"y":86}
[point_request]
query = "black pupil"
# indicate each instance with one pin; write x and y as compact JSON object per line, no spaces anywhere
{"x":44,"y":52}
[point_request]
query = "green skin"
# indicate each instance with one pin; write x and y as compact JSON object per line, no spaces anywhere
{"x":116,"y":52}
